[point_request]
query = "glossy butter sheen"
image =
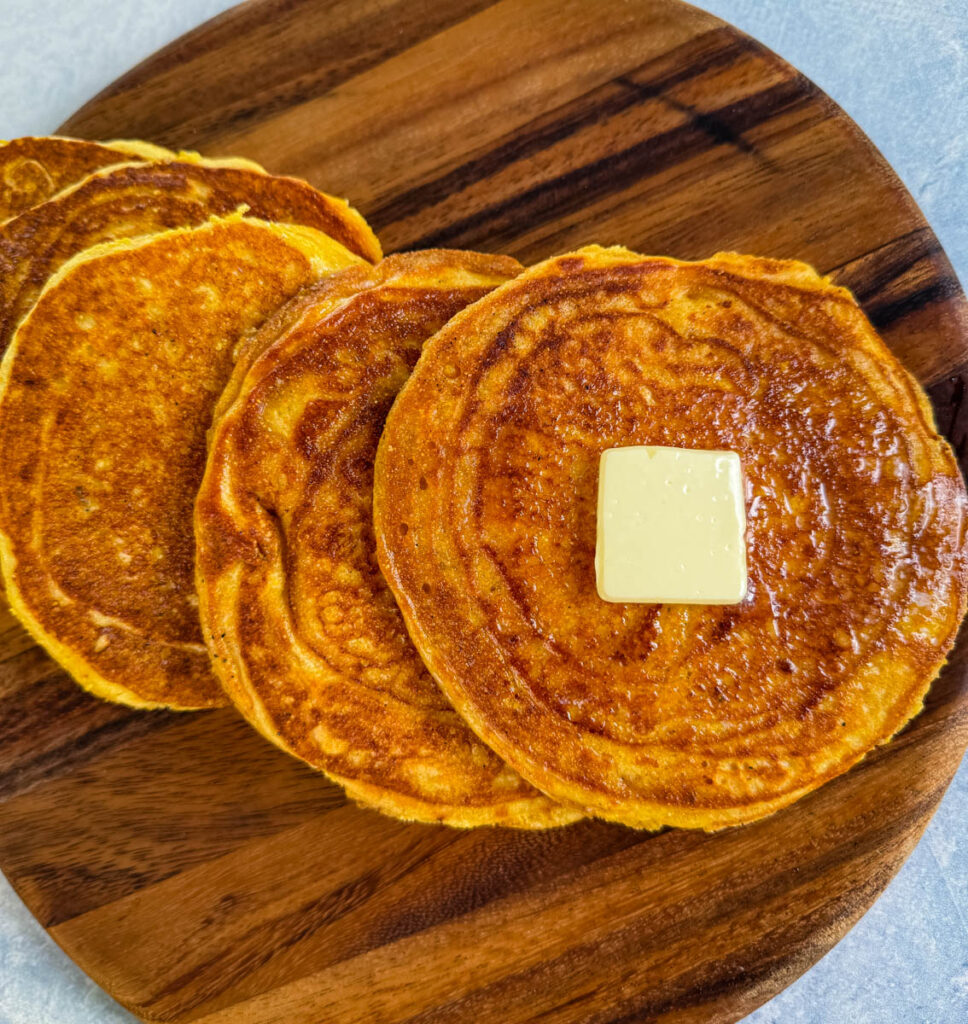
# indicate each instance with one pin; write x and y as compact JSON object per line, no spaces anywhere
{"x":670,"y":526}
{"x":136,"y":199}
{"x":106,"y":393}
{"x":673,"y":714}
{"x":304,"y":632}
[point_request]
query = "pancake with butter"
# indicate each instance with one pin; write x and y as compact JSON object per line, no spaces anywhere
{"x":142,"y":198}
{"x":106,"y":392}
{"x":32,"y":169}
{"x":305,"y":636}
{"x":652,"y":714}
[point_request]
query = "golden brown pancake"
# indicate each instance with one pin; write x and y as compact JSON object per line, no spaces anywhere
{"x":652,"y":715}
{"x":305,"y":636}
{"x":106,"y":393}
{"x":138,"y":149}
{"x":33,"y":169}
{"x":139,"y":199}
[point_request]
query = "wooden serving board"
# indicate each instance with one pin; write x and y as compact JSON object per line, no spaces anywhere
{"x":200,"y":875}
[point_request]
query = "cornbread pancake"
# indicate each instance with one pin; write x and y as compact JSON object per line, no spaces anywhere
{"x":106,"y":393}
{"x":652,"y":715}
{"x":138,"y":149}
{"x":139,"y":199}
{"x":305,"y":636}
{"x":32,"y":169}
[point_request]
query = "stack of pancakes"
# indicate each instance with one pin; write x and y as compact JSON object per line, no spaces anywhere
{"x":245,"y":460}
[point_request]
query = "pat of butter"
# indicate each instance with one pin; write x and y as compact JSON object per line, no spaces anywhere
{"x":671,"y":526}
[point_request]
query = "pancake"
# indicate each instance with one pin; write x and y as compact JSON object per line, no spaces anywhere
{"x":33,"y":169}
{"x":139,"y":199}
{"x":138,"y":149}
{"x":686,"y":715}
{"x":106,"y":393}
{"x":304,"y":634}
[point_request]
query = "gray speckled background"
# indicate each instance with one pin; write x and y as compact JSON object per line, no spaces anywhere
{"x":900,"y":68}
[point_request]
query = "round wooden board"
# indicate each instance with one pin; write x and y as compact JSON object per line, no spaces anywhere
{"x":200,"y":875}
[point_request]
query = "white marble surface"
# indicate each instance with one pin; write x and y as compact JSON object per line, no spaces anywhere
{"x":900,"y":68}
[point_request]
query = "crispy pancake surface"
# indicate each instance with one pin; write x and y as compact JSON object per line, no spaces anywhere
{"x":305,"y":634}
{"x":34,"y":168}
{"x":106,"y":393}
{"x":652,"y":715}
{"x":139,"y":199}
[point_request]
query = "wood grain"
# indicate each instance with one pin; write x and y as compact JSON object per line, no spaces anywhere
{"x":200,"y":875}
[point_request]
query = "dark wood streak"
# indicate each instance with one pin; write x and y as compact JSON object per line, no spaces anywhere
{"x":700,"y":990}
{"x":901,"y":277}
{"x":666,"y":931}
{"x":580,"y":187}
{"x":326,"y":44}
{"x":885,"y":313}
{"x":52,"y":726}
{"x":199,"y":874}
{"x":951,"y":410}
{"x":876,"y":270}
{"x":732,"y":975}
{"x":719,"y":130}
{"x":95,"y":739}
{"x":231,"y":788}
{"x":409,"y":896}
{"x":712,"y":50}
